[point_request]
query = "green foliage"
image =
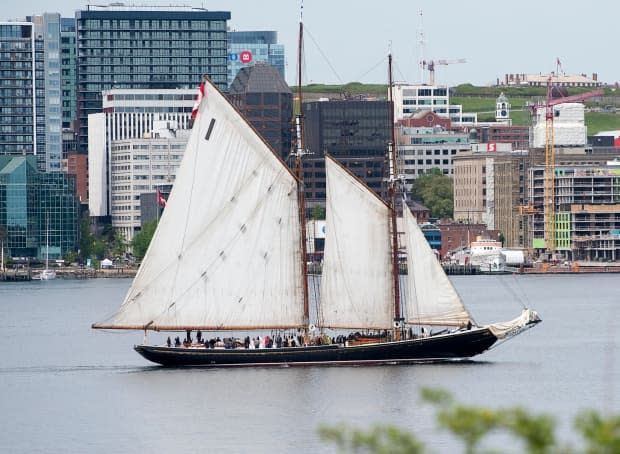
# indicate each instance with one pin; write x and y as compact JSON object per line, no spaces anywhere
{"x":379,"y":440}
{"x":142,"y":239}
{"x":99,"y":248}
{"x":71,"y":257}
{"x":602,"y":435}
{"x":471,"y":425}
{"x":118,"y":245}
{"x":434,"y":190}
{"x":87,"y":239}
{"x":318,"y":212}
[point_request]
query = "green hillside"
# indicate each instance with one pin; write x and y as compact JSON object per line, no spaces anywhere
{"x":481,"y":100}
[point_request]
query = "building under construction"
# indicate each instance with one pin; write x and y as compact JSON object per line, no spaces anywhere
{"x":587,"y":211}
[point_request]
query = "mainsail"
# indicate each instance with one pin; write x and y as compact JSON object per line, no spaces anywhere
{"x":431,"y":297}
{"x":226,"y":253}
{"x":356,"y":285}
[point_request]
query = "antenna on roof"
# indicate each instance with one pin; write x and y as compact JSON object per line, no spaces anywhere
{"x":421,"y":43}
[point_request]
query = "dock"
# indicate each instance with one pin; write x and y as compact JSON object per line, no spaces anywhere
{"x":16,"y":274}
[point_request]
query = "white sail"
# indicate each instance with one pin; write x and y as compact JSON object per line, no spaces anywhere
{"x":431,"y":298}
{"x":356,"y":284}
{"x":227,"y":250}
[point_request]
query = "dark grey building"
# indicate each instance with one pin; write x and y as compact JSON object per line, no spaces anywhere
{"x":260,"y":92}
{"x":146,"y":47}
{"x":355,"y":132}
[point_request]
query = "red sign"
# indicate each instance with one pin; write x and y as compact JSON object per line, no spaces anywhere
{"x":491,"y":146}
{"x":245,"y":56}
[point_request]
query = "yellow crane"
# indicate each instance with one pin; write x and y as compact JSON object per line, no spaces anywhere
{"x":549,"y":188}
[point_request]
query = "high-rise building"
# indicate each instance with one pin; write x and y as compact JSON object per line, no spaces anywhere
{"x":47,"y":29}
{"x":130,"y":47}
{"x":30,"y":115}
{"x":260,"y":92}
{"x":35,"y":205}
{"x":246,"y":48}
{"x":68,"y":65}
{"x":490,"y":188}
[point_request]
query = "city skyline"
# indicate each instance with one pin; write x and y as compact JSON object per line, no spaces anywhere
{"x":492,"y":39}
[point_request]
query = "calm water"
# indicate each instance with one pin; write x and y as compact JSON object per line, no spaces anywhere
{"x":65,"y":388}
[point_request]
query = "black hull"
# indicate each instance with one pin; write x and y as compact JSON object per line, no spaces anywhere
{"x":459,"y":345}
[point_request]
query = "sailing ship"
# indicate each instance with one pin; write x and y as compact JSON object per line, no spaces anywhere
{"x":47,"y":274}
{"x":228,"y":256}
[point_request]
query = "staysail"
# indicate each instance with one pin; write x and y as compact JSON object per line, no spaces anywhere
{"x":431,"y":297}
{"x":356,"y":286}
{"x":226,"y":253}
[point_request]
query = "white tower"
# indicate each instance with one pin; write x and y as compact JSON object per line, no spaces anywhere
{"x":502,"y":110}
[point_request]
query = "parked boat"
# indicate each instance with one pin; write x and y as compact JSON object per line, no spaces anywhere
{"x":228,"y":257}
{"x":47,"y":274}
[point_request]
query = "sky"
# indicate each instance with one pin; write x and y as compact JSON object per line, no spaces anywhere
{"x":348,"y":41}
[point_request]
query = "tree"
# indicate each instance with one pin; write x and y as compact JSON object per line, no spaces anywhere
{"x":119,"y":245}
{"x":434,"y":190}
{"x":318,"y":212}
{"x":87,"y":239}
{"x":501,"y":238}
{"x":70,"y":257}
{"x":471,"y":424}
{"x":141,"y":241}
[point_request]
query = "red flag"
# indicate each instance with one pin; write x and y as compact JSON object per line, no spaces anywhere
{"x":201,"y":93}
{"x":160,"y":199}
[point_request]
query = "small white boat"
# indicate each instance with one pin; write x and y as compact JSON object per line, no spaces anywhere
{"x":46,"y":274}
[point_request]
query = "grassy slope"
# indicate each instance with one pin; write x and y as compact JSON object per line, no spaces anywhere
{"x":482,"y":101}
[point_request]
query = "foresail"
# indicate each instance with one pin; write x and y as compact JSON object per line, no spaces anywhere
{"x":356,"y":286}
{"x":526,"y":320}
{"x":226,"y":253}
{"x":431,"y":298}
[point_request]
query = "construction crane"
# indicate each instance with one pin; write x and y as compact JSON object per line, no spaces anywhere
{"x":430,"y":65}
{"x":549,"y":176}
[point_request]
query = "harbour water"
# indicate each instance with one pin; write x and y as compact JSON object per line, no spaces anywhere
{"x":66,"y":388}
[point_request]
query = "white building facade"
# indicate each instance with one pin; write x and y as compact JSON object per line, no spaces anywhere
{"x":410,"y":99}
{"x":140,"y":166}
{"x":569,"y":126}
{"x":421,"y":149}
{"x":134,"y":145}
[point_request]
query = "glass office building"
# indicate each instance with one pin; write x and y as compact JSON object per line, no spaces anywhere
{"x":354,"y":132}
{"x":36,"y":204}
{"x":146,"y":47}
{"x":249,"y":47}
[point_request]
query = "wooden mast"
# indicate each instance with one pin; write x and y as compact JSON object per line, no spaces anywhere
{"x":298,"y":153}
{"x":392,"y":182}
